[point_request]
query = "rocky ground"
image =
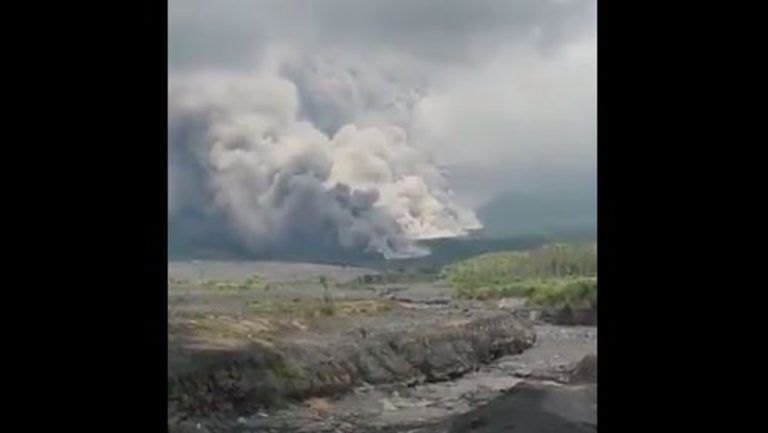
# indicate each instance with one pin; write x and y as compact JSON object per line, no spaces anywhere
{"x":390,"y":358}
{"x":541,"y":389}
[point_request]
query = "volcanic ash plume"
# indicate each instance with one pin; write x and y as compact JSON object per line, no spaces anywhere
{"x":279,"y":178}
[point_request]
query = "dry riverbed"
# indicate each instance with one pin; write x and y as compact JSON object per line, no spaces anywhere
{"x":384,"y":358}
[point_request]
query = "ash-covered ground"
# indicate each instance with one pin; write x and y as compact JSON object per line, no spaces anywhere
{"x":296,"y":347}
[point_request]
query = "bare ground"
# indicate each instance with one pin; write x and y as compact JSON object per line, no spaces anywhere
{"x":209,"y":324}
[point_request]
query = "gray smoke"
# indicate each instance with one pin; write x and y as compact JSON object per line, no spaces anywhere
{"x":330,"y":119}
{"x":239,"y":144}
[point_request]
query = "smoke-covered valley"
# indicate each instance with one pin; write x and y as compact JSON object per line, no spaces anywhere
{"x":294,"y":131}
{"x":278,"y":179}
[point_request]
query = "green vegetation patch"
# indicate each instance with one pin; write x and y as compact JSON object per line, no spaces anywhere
{"x":287,"y":371}
{"x":577,"y":294}
{"x":553,"y":274}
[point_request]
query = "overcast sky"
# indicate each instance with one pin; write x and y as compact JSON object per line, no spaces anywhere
{"x":502,"y":93}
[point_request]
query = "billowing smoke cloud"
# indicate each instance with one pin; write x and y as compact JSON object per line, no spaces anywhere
{"x":329,"y":144}
{"x":336,"y":89}
{"x":277,"y":177}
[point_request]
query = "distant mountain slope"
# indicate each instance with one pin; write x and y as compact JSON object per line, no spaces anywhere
{"x":559,"y":212}
{"x":515,"y":220}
